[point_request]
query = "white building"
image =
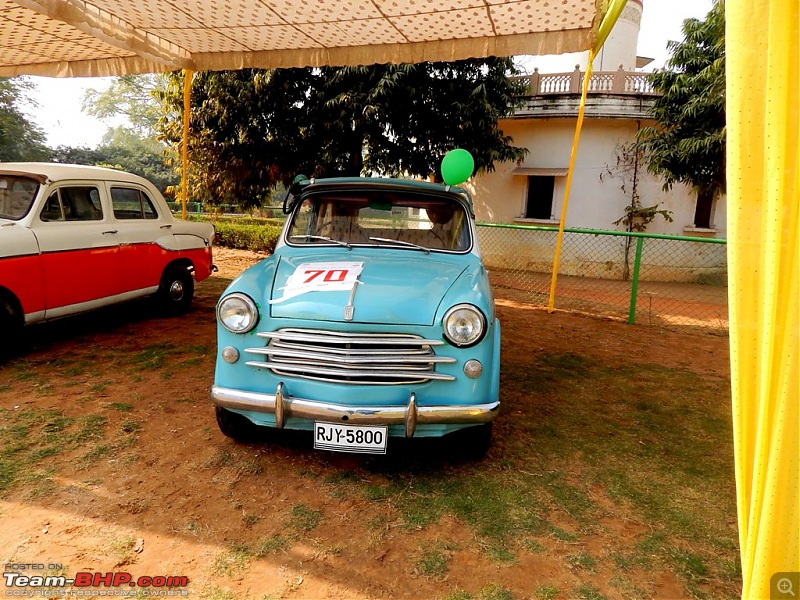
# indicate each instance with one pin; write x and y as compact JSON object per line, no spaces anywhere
{"x":617,"y":104}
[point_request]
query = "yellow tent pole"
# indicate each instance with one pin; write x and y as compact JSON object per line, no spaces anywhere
{"x":560,"y":238}
{"x":606,"y":25}
{"x":187,"y":97}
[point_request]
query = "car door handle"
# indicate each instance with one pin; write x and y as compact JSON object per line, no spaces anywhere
{"x":110,"y":231}
{"x":166,"y":226}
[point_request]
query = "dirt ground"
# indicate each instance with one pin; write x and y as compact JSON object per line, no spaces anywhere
{"x":178,"y":499}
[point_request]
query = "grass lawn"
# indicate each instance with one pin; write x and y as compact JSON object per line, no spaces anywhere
{"x":610,"y":476}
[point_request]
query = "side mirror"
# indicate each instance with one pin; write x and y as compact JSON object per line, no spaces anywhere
{"x":297,"y":183}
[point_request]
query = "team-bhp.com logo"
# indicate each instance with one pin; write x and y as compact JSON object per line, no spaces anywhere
{"x":21,"y":580}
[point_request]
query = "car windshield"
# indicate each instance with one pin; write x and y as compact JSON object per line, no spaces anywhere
{"x":377,"y":218}
{"x":17,"y":193}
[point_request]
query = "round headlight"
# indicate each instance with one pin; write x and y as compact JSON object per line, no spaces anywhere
{"x":237,"y":313}
{"x":464,"y":325}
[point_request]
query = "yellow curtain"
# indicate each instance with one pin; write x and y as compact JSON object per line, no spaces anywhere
{"x":763,"y":164}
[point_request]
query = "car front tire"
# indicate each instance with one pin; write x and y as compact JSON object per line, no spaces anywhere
{"x":236,"y":426}
{"x":11,"y":326}
{"x":176,"y":290}
{"x":473,"y":443}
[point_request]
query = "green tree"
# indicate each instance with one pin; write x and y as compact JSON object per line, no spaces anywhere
{"x":131,"y":97}
{"x":247,"y":128}
{"x":132,"y":146}
{"x":126,"y":152}
{"x":122,"y":148}
{"x":77,"y":155}
{"x":251,"y":129}
{"x":20,"y":139}
{"x":687,"y":144}
{"x":636,"y":216}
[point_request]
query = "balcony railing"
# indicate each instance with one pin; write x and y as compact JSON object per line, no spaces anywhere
{"x":603,"y":82}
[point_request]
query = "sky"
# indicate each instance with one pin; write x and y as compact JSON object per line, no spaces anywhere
{"x":58,"y":111}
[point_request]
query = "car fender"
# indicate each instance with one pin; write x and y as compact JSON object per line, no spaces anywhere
{"x":20,"y":268}
{"x":255,"y":281}
{"x":186,"y":240}
{"x":17,"y":240}
{"x":495,"y":386}
{"x":471,"y":287}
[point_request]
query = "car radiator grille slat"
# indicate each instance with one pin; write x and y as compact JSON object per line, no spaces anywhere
{"x":359,"y":359}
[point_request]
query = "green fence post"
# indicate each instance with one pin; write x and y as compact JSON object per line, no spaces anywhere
{"x":635,"y":281}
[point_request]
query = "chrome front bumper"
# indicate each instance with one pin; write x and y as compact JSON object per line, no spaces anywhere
{"x":409,"y":415}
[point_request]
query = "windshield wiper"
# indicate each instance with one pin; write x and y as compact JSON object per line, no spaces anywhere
{"x":401,"y":243}
{"x":321,"y":237}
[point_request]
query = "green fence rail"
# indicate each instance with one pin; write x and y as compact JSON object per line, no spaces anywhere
{"x":638,"y":277}
{"x":194,"y":208}
{"x":228,"y":210}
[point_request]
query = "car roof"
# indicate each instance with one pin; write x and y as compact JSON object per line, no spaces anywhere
{"x":63,"y":171}
{"x":381,"y":181}
{"x":313,"y":185}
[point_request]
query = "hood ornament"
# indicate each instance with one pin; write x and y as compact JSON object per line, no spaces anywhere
{"x":349,"y":309}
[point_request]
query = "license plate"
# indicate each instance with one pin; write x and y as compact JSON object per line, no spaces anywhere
{"x":350,"y":438}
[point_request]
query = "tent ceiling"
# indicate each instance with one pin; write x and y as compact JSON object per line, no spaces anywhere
{"x":74,"y":38}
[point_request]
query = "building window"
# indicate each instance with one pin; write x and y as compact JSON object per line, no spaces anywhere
{"x":703,"y":210}
{"x":539,"y":202}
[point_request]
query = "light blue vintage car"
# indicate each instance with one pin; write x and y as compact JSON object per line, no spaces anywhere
{"x":373,"y":319}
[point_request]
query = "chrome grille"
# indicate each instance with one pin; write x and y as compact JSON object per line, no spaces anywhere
{"x":355,"y":358}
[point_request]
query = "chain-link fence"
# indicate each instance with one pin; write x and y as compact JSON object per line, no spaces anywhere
{"x":639,"y":277}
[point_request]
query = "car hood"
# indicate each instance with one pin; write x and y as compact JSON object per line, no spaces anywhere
{"x":396,"y":287}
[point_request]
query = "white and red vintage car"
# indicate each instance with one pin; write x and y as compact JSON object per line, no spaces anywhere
{"x":74,"y":238}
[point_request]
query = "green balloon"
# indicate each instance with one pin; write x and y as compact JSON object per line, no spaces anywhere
{"x":457,"y":166}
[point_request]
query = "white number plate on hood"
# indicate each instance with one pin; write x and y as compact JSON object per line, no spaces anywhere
{"x":350,"y":438}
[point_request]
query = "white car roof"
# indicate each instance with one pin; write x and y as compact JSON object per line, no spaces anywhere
{"x":61,"y":171}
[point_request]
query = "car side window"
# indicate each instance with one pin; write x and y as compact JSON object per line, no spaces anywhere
{"x":81,"y":203}
{"x":52,"y":210}
{"x":73,"y":203}
{"x":303,"y":218}
{"x":129,"y":203}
